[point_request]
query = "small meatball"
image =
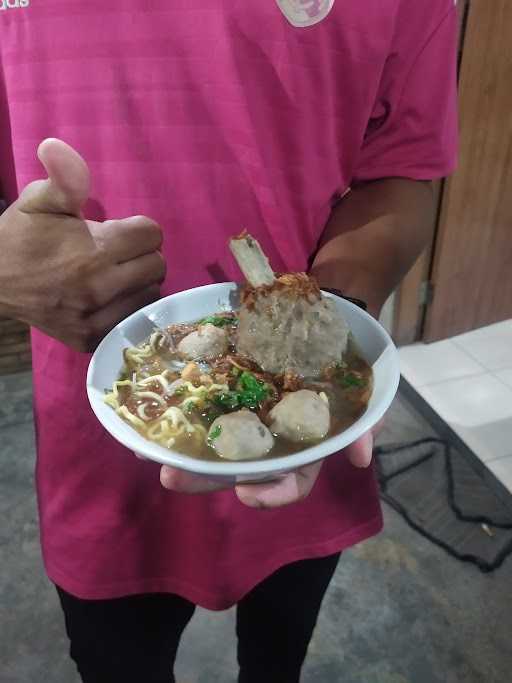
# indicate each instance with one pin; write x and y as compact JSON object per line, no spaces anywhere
{"x":206,"y":342}
{"x":240,"y":436}
{"x":300,"y":416}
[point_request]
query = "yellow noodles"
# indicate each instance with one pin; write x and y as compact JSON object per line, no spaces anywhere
{"x":156,"y":378}
{"x":155,"y":341}
{"x":112,"y":399}
{"x":173,"y":423}
{"x":130,"y":417}
{"x":150,"y":394}
{"x":138,"y":356}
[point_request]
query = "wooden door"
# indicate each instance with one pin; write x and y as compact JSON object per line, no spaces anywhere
{"x":412,"y":297}
{"x":471,"y":272}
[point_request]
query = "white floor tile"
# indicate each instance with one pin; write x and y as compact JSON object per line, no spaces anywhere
{"x":470,"y":401}
{"x":487,"y":441}
{"x":502,"y":468}
{"x":491,"y":346}
{"x":479,"y":409}
{"x":504,"y":375}
{"x":428,"y":363}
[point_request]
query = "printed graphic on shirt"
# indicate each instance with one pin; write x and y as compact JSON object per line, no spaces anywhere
{"x":301,"y":13}
{"x":13,"y":4}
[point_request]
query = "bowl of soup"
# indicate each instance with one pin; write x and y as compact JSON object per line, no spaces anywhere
{"x":169,"y":384}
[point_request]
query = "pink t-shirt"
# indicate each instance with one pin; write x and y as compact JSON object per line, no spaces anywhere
{"x":209,"y":115}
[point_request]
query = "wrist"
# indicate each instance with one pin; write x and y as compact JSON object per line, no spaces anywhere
{"x":358,"y":302}
{"x":374,"y":295}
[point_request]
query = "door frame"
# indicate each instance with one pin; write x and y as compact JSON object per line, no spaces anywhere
{"x":413,"y":294}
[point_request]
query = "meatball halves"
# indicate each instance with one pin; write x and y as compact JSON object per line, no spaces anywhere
{"x":240,"y":436}
{"x":206,"y":342}
{"x":301,"y":416}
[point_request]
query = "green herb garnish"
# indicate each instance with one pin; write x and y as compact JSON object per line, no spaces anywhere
{"x":228,"y":400}
{"x":211,"y":412}
{"x":250,"y":393}
{"x":252,"y":387}
{"x":214,"y":434}
{"x":351,"y":380}
{"x":218,"y":321}
{"x":189,"y":407}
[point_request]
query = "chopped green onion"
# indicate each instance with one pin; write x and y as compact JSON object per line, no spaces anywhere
{"x":352,"y":380}
{"x":228,"y":400}
{"x":218,"y":321}
{"x":214,"y":434}
{"x":189,"y":406}
{"x":250,"y":393}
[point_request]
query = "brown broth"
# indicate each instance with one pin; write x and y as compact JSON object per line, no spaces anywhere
{"x":348,"y":389}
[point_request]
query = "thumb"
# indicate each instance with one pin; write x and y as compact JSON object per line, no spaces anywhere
{"x":67,"y":186}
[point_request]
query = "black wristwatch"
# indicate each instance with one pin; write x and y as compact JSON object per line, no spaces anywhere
{"x":358,"y":302}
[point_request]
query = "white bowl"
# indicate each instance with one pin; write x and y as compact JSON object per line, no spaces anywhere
{"x":194,"y":304}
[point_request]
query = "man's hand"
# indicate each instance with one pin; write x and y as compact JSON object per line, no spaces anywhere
{"x":287,"y":489}
{"x":72,"y":278}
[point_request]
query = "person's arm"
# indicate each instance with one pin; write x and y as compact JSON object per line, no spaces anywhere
{"x":374,"y":235}
{"x":72,"y":278}
{"x":379,"y":228}
{"x":376,"y":232}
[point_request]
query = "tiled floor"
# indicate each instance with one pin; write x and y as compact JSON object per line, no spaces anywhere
{"x":399,"y":609}
{"x":467,"y":380}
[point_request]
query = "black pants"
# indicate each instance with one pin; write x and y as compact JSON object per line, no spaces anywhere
{"x":135,"y":639}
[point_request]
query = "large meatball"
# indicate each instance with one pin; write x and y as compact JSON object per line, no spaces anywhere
{"x":240,"y":436}
{"x":206,"y":342}
{"x":301,"y":416}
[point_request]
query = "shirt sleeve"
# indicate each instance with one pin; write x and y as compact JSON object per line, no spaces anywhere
{"x":413,"y":129}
